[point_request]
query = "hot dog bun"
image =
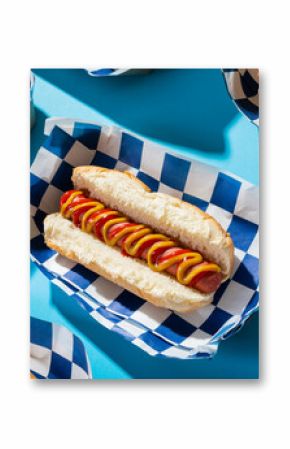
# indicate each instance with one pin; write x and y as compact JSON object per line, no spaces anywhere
{"x":164,"y":213}
{"x":132,"y":274}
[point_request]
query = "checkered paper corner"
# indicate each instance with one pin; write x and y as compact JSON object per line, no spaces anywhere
{"x":56,"y":353}
{"x":243,"y":87}
{"x":233,"y":201}
{"x":101,"y":72}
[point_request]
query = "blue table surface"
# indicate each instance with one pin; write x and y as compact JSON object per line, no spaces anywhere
{"x":190,"y":112}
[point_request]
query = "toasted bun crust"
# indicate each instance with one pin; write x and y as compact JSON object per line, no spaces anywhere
{"x":179,"y":220}
{"x":132,"y":274}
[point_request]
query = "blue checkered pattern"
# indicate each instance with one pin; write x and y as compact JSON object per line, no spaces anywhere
{"x":115,"y":72}
{"x":232,"y":201}
{"x":55,"y":353}
{"x":243,"y":87}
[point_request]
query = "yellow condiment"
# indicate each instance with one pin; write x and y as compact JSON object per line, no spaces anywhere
{"x":137,"y":236}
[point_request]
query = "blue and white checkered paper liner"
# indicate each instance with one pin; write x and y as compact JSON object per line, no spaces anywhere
{"x":99,"y":72}
{"x":56,"y":353}
{"x":243,"y":87}
{"x":229,"y":199}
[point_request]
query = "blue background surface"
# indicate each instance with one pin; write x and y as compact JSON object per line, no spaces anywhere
{"x":190,"y":112}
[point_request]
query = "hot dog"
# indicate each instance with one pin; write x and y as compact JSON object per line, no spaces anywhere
{"x":137,"y":240}
{"x":173,"y":254}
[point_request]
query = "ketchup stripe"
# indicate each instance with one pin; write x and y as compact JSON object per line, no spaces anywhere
{"x":136,"y":240}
